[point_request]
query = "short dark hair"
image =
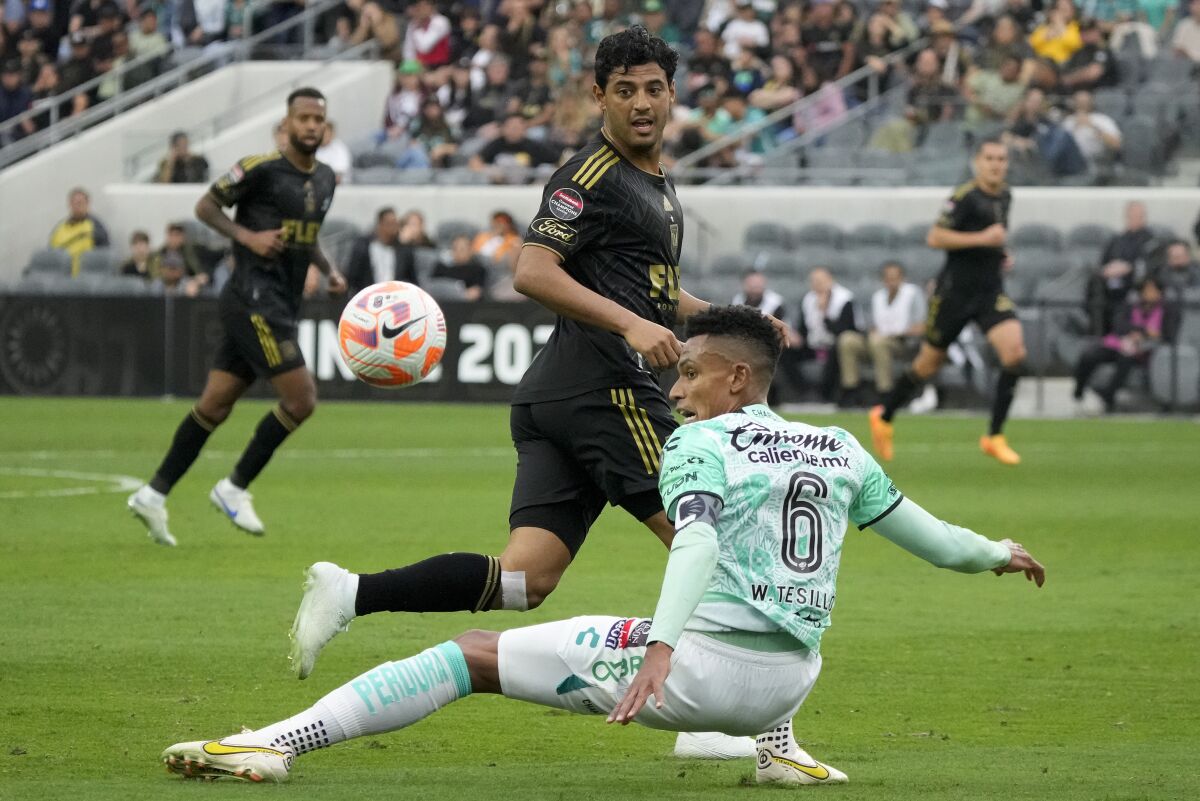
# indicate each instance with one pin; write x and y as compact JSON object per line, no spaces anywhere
{"x":175,"y":137}
{"x":304,"y":91}
{"x":743,"y":323}
{"x":176,"y":227}
{"x":749,"y":271}
{"x":892,"y":263}
{"x":385,"y":211}
{"x":139,"y":236}
{"x":630,"y":48}
{"x":989,"y":140}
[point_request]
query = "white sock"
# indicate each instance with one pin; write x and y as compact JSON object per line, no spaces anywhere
{"x":150,"y":496}
{"x":388,"y":697}
{"x":779,"y":741}
{"x":348,"y":592}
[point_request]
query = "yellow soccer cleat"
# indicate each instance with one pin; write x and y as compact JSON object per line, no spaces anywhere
{"x":881,"y":434}
{"x":997,"y":448}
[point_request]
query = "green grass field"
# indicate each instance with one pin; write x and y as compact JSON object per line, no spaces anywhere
{"x":935,"y":686}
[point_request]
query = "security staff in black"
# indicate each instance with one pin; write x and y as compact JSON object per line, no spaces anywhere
{"x":281,"y":199}
{"x":973,"y":230}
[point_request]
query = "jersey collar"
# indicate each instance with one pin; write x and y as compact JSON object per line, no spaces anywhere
{"x":761,"y":411}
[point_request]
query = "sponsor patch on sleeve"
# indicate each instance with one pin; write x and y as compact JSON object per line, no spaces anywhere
{"x":552,"y":228}
{"x":565,"y":204}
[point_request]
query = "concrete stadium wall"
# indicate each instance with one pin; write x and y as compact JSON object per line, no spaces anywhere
{"x":229,"y":114}
{"x":716,"y":217}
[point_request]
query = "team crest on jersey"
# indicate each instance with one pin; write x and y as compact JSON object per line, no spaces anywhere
{"x":310,"y":198}
{"x":566,"y":204}
{"x":674,"y":237}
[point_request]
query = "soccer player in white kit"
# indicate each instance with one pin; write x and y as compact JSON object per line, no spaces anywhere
{"x":760,"y":506}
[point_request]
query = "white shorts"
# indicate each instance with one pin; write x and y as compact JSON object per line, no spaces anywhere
{"x":586,"y":664}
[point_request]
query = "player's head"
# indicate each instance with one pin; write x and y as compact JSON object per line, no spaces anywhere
{"x":635,"y":86}
{"x":305,"y":121}
{"x":727,"y":362}
{"x":991,"y":162}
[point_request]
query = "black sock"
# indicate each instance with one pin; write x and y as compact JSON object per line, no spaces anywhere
{"x":452,"y":582}
{"x":271,"y":432}
{"x":185,"y":447}
{"x":907,"y":388}
{"x":1006,"y":388}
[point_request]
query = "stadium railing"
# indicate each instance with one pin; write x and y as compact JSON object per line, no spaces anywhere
{"x":215,"y":56}
{"x":866,"y":76}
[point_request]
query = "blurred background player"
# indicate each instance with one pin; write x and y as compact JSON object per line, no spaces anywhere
{"x":588,"y":418}
{"x":281,"y":200}
{"x":973,"y":230}
{"x":719,"y":653}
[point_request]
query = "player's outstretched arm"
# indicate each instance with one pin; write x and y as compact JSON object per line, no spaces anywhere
{"x":952,"y":547}
{"x":690,"y":566}
{"x":539,"y":276}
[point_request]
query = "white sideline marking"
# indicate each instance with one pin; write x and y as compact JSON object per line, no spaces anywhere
{"x":116,"y":482}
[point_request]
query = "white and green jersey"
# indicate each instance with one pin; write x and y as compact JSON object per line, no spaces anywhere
{"x":788,"y":490}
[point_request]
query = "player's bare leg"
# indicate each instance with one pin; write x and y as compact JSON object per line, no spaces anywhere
{"x":1008,"y":340}
{"x":297,"y":399}
{"x":520,"y":578}
{"x":148,"y":504}
{"x":532,"y":564}
{"x":924,"y":367}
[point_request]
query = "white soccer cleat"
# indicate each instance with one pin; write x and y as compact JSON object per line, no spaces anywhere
{"x":793,"y":765}
{"x":152,"y":511}
{"x":236,"y":757}
{"x":712,"y":745}
{"x":325,"y":610}
{"x":235,"y":503}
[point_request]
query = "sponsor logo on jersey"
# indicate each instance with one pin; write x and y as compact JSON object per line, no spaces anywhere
{"x":751,"y":435}
{"x":566,"y":204}
{"x":547,"y":226}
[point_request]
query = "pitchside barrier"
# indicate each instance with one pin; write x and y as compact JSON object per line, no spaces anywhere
{"x":163,"y":345}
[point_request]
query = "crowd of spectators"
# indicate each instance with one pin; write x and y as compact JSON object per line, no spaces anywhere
{"x":1004,"y":67}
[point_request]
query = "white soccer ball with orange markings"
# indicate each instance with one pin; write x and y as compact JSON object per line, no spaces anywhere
{"x":392,"y":334}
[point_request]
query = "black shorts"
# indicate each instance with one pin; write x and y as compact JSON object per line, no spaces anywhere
{"x":950,"y":310}
{"x":577,"y":454}
{"x":251,"y":345}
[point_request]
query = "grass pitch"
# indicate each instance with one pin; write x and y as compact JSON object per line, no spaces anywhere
{"x":935,"y":685}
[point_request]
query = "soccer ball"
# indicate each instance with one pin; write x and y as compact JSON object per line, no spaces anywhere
{"x":392,"y":334}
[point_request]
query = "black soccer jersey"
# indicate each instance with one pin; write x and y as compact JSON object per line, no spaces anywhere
{"x":270,"y":192}
{"x":970,"y":209}
{"x":619,"y":231}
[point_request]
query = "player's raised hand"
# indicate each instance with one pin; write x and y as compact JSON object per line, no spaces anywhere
{"x":994,"y":236}
{"x":648,"y":682}
{"x":264,"y":243}
{"x":656,"y":343}
{"x":1022,"y":562}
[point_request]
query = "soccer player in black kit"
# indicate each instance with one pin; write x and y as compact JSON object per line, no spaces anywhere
{"x":281,"y":200}
{"x":972,"y":229}
{"x":589,"y":418}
